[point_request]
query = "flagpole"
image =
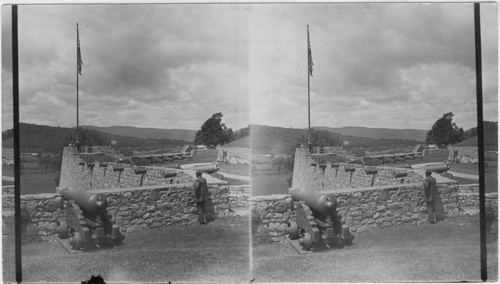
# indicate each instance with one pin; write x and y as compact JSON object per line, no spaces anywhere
{"x":480,"y":144}
{"x":77,"y":114}
{"x":17,"y":148}
{"x":308,"y":86}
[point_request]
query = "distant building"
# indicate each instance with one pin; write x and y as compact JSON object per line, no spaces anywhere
{"x":433,"y":147}
{"x":201,"y":147}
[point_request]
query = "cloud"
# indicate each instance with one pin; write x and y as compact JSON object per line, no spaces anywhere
{"x":400,"y":65}
{"x":376,"y":61}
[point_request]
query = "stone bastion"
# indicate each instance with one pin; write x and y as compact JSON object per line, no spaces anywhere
{"x":391,"y":201}
{"x":136,"y":201}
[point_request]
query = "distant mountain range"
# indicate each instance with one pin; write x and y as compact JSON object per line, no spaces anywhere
{"x":35,"y":138}
{"x":144,"y":133}
{"x":279,"y":139}
{"x":379,"y":133}
{"x":263,"y":137}
{"x":188,"y":135}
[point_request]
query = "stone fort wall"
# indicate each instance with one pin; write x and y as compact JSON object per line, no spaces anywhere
{"x":132,"y":209}
{"x":158,"y":202}
{"x":234,"y":155}
{"x":77,"y":174}
{"x":310,"y":176}
{"x":466,"y":155}
{"x":361,"y":208}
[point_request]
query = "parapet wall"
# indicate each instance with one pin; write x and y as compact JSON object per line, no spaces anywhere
{"x":76,"y":174}
{"x":469,"y":199}
{"x":391,"y":205}
{"x":7,"y":156}
{"x":465,"y":155}
{"x":234,"y":155}
{"x":310,"y":176}
{"x":132,"y":209}
{"x":270,"y":217}
{"x":39,"y":214}
{"x":361,"y":209}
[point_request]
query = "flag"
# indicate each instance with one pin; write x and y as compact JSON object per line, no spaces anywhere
{"x":309,"y":54}
{"x":79,"y":61}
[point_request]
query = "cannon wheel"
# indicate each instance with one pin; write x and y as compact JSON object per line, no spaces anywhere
{"x":62,"y":230}
{"x":306,"y":241}
{"x":293,"y":229}
{"x":76,"y":241}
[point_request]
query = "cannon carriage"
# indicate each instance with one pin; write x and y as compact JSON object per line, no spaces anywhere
{"x":87,"y":225}
{"x":317,"y":222}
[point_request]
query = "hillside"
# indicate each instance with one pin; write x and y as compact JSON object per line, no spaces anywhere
{"x":379,"y":133}
{"x":280,"y":139}
{"x":242,"y":142}
{"x":490,"y":143}
{"x":52,"y":139}
{"x":144,"y":133}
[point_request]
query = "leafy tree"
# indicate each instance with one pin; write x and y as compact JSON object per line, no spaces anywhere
{"x":445,"y":132}
{"x":213,"y":132}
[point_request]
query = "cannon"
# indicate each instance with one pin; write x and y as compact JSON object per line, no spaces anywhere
{"x":169,"y":174}
{"x":401,"y":175}
{"x":388,"y":159}
{"x":373,"y":172}
{"x":119,"y":170}
{"x":104,"y":166}
{"x":206,"y":168}
{"x":317,"y":222}
{"x":142,"y":172}
{"x":408,"y":156}
{"x":87,"y":225}
{"x":440,"y":168}
{"x":336,"y":166}
{"x":399,"y":157}
{"x":350,"y":170}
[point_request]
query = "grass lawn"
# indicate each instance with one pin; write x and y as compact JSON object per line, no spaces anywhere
{"x":267,"y":185}
{"x":240,"y":170}
{"x":216,"y":253}
{"x":447,"y":251}
{"x":188,"y":161}
{"x":32,"y":183}
{"x":232,"y":181}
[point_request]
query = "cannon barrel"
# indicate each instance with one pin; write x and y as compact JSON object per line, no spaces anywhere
{"x":400,"y":174}
{"x":95,"y":203}
{"x":169,"y":174}
{"x":371,"y":171}
{"x":350,"y":169}
{"x":206,"y":168}
{"x":325,"y":204}
{"x":437,"y":168}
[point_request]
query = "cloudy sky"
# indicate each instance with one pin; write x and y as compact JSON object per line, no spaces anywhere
{"x":396,"y":65}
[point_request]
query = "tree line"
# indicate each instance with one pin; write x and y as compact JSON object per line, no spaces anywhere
{"x":49,"y":139}
{"x":445,"y":132}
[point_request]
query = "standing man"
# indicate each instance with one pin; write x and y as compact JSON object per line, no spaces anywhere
{"x":201,"y":194}
{"x":430,"y":196}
